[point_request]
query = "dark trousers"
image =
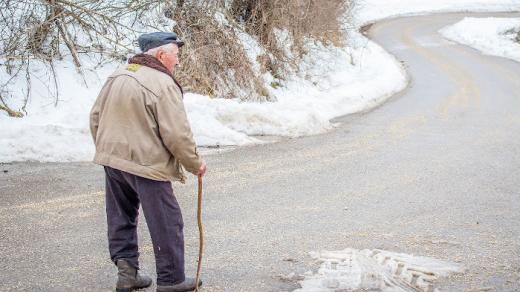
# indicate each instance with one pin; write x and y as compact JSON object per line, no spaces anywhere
{"x":124,"y":193}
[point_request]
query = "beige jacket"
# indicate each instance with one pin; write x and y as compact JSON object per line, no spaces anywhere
{"x":139,"y":125}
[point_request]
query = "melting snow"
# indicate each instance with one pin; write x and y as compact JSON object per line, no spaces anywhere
{"x":375,"y":270}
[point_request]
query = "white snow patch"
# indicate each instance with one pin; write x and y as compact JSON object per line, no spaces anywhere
{"x":375,"y":270}
{"x":50,"y":131}
{"x":252,"y":49}
{"x":373,"y":10}
{"x":492,"y":36}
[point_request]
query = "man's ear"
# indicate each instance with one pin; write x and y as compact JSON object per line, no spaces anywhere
{"x":159,"y":54}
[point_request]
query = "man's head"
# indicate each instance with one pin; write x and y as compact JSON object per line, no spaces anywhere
{"x":164,"y":46}
{"x":167,"y":55}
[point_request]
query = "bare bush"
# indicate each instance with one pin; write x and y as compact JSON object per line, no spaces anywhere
{"x":213,"y":61}
{"x":46,"y":30}
{"x":303,"y":20}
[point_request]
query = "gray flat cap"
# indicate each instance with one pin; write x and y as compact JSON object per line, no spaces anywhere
{"x":156,"y":39}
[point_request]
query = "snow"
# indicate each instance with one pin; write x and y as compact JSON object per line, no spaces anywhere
{"x":328,"y":85}
{"x":375,"y":270}
{"x":492,"y":36}
{"x":372,"y":10}
{"x":307,"y":103}
{"x":49,"y":132}
{"x":331,"y":82}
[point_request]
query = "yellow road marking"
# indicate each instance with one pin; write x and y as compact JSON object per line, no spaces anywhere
{"x":467,"y":94}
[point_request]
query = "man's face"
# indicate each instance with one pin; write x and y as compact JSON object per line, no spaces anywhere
{"x":169,"y":59}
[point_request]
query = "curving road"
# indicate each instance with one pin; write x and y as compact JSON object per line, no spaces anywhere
{"x":434,"y":171}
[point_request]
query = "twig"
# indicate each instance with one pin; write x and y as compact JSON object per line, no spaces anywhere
{"x":10,"y":112}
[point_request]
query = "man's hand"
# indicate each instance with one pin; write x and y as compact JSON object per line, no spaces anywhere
{"x":202,"y":169}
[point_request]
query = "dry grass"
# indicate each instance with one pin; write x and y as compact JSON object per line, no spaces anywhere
{"x":213,"y":60}
{"x":303,"y":20}
{"x":215,"y":63}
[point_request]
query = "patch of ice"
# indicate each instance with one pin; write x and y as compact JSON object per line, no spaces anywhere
{"x":375,"y":270}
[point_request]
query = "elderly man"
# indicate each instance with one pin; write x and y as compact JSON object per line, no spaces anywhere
{"x":143,"y":140}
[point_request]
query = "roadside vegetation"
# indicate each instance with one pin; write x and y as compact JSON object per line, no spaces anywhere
{"x":215,"y":61}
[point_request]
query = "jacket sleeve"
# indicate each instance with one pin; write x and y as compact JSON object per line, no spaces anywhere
{"x":94,"y":119}
{"x":175,"y":130}
{"x":95,"y":111}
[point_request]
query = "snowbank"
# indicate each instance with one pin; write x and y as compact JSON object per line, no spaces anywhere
{"x":373,"y":10}
{"x":332,"y":82}
{"x":492,"y":36}
{"x":328,"y":86}
{"x":54,"y":131}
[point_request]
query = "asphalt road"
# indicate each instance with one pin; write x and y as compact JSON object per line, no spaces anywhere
{"x":434,"y":171}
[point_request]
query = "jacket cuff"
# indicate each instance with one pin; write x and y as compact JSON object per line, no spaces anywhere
{"x":195,"y":165}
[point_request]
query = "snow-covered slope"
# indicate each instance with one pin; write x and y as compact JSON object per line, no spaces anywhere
{"x":492,"y":36}
{"x":372,"y":10}
{"x":332,"y":82}
{"x":327,"y":86}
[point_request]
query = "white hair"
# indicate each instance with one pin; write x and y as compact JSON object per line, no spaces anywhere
{"x":168,"y":48}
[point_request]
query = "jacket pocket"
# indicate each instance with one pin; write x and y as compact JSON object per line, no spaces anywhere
{"x":142,"y":155}
{"x":118,"y":149}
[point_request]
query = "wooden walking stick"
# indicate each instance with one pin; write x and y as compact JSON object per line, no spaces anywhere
{"x":201,"y":233}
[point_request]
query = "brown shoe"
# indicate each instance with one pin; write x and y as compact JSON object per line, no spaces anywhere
{"x":187,"y":285}
{"x":128,"y":278}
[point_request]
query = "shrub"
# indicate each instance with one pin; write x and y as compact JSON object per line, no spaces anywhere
{"x":304,"y":20}
{"x":213,"y":61}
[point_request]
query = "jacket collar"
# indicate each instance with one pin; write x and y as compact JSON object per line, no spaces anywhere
{"x":152,"y":62}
